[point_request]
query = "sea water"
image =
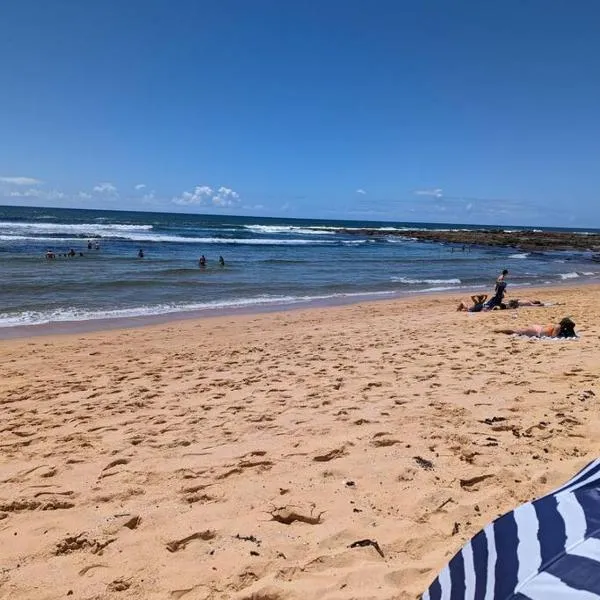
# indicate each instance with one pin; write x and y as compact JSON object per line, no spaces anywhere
{"x":269,"y":262}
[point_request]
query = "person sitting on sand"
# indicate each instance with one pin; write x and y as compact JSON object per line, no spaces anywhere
{"x":564,"y":329}
{"x":478,"y":304}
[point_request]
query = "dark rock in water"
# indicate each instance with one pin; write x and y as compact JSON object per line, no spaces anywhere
{"x":530,"y":240}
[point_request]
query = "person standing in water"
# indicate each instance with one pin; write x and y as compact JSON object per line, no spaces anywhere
{"x":202,"y":261}
{"x":140,"y":253}
{"x":221,"y":261}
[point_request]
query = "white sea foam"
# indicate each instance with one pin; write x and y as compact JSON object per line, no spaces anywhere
{"x":572,"y":275}
{"x":441,"y":288}
{"x":399,"y":240}
{"x":522,"y":255}
{"x":218,"y":240}
{"x":81,"y":229}
{"x":410,"y":281}
{"x":156,"y":237}
{"x":274,"y":229}
{"x":77,"y":314}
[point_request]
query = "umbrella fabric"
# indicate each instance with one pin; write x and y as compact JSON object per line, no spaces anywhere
{"x":548,"y":549}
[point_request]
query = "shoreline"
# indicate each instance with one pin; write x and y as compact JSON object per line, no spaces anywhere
{"x":61,"y":328}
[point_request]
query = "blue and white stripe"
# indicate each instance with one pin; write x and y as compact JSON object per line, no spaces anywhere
{"x":548,"y":549}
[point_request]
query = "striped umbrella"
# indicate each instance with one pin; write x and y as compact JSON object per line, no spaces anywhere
{"x":548,"y":549}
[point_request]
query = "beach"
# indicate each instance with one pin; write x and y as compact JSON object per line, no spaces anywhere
{"x":242,"y":456}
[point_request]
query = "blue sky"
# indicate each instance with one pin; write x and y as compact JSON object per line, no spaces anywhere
{"x":422,"y":110}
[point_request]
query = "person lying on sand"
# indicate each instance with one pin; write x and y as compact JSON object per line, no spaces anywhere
{"x":516,"y":303}
{"x":564,"y":329}
{"x":478,"y":302}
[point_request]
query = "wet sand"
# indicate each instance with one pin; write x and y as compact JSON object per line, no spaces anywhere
{"x":242,"y":456}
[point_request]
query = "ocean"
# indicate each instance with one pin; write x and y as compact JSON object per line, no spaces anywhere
{"x":269,"y":263}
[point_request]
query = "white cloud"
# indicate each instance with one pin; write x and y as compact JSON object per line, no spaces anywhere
{"x":140,"y":186}
{"x":106,"y":188}
{"x":37,"y":193}
{"x":361,"y":191}
{"x":84,"y":195}
{"x":204,"y":195}
{"x":225,"y":197}
{"x":435,"y":192}
{"x":469,"y":206}
{"x":199,"y":195}
{"x":20,"y":180}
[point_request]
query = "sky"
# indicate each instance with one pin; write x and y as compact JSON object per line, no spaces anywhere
{"x":402,"y":110}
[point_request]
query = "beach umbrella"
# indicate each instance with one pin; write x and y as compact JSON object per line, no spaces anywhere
{"x":548,"y":549}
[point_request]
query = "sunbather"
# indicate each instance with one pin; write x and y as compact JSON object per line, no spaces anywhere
{"x":564,"y":329}
{"x":478,"y":302}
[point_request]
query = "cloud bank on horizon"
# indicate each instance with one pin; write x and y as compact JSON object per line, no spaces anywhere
{"x":432,"y":203}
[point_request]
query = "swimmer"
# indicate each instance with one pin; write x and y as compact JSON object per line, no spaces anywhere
{"x":50,"y":255}
{"x":564,"y":329}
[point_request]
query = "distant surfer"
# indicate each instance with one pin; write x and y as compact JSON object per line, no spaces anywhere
{"x":140,"y":253}
{"x":202,"y":261}
{"x":221,"y":261}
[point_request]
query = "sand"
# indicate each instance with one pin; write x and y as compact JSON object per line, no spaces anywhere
{"x":242,"y":456}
